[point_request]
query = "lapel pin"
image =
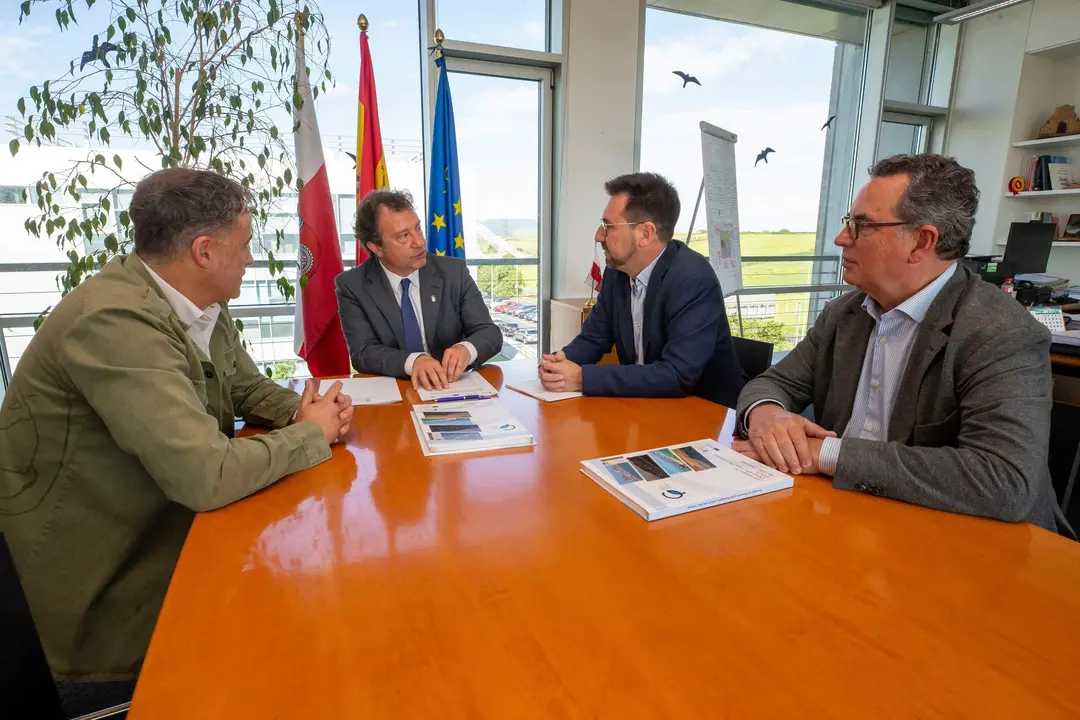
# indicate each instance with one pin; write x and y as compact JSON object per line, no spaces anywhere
{"x":432,"y":298}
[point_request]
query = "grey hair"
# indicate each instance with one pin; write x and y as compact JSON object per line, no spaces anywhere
{"x":940,"y":192}
{"x":172,"y":207}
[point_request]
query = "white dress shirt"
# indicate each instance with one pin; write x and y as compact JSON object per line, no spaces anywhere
{"x":414,"y":295}
{"x":886,"y":358}
{"x":638,"y":287}
{"x":199,"y":324}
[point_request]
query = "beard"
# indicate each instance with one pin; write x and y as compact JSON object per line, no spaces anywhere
{"x":611,"y":261}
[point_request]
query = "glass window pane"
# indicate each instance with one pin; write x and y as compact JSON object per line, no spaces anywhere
{"x":498,"y":126}
{"x":510,"y":23}
{"x":897,"y":138}
{"x":907,"y":56}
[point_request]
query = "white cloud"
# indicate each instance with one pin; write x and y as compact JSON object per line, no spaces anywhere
{"x":17,"y":57}
{"x":710,"y":58}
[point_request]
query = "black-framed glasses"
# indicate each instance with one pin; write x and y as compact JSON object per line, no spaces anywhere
{"x":853,"y":226}
{"x":606,"y":226}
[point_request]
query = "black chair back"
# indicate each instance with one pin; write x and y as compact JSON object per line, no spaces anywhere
{"x":27,"y":689}
{"x":755,"y":356}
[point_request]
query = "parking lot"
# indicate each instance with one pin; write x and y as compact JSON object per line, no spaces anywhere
{"x":518,"y":325}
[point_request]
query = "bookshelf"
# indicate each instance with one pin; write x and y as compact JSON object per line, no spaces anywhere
{"x":1042,"y":193}
{"x":1034,"y":145}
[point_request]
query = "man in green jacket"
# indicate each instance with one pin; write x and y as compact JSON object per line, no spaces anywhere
{"x":118,"y":426}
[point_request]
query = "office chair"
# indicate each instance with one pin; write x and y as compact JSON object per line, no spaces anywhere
{"x":755,"y":356}
{"x":27,"y":689}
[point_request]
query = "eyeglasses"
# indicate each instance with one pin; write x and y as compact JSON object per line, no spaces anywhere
{"x":853,"y":226}
{"x":606,"y":226}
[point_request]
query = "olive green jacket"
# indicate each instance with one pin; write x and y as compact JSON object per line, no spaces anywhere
{"x":114,"y":432}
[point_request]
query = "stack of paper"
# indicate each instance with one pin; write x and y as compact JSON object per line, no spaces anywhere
{"x":1066,"y":337}
{"x":366,"y":391}
{"x":470,"y":386}
{"x":468,"y":426}
{"x":671,"y":480}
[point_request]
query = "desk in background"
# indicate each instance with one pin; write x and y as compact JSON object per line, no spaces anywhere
{"x":383,"y":584}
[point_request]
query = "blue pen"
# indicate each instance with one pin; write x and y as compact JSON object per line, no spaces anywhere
{"x":459,"y":397}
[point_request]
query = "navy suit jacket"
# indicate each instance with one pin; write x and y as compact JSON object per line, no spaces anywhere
{"x":685,"y":335}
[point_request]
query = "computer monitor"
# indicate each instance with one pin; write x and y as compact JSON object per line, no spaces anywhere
{"x":1028,"y":247}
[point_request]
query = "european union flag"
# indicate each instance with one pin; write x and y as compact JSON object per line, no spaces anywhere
{"x":444,"y":230}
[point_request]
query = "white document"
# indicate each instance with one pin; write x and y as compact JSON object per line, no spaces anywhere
{"x":458,"y":427}
{"x":536,"y":389}
{"x":722,"y":205}
{"x":470,"y":386}
{"x":680,"y":478}
{"x":367,"y":391}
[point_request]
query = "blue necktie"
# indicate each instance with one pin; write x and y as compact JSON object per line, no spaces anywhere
{"x":414,"y":339}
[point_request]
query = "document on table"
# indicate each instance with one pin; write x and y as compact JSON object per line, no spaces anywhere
{"x":367,"y":391}
{"x":536,"y":389}
{"x":1066,"y":337}
{"x":470,"y":386}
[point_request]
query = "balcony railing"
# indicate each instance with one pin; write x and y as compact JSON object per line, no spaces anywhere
{"x":777,"y":304}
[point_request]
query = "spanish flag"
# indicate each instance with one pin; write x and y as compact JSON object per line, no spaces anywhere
{"x":370,"y":161}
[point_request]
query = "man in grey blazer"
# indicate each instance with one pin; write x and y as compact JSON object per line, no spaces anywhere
{"x":929,"y":385}
{"x":406,"y":312}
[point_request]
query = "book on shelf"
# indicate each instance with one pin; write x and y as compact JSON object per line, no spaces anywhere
{"x":1046,"y":172}
{"x":680,"y":478}
{"x":468,"y":426}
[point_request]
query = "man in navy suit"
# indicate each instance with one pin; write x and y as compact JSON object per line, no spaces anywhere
{"x":660,"y":305}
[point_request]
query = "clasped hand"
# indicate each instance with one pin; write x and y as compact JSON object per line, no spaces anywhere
{"x":783,"y":440}
{"x":557,"y":374}
{"x":333,"y":412}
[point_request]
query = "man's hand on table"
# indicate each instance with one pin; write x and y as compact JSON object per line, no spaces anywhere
{"x":333,"y":412}
{"x":429,"y":373}
{"x":557,"y":374}
{"x":455,"y":361}
{"x":783,"y":440}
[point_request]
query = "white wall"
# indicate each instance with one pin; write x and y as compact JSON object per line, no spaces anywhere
{"x":601,"y":89}
{"x":980,"y":125}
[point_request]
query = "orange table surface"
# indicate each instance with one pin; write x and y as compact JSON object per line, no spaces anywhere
{"x":383,"y":584}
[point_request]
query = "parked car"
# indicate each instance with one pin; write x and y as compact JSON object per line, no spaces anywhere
{"x":521,"y":310}
{"x":530,"y":316}
{"x":505,"y":306}
{"x":528,"y":335}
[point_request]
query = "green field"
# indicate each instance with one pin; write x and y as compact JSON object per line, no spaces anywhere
{"x":783,"y":330}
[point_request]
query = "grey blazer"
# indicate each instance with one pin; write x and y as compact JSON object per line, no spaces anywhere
{"x":970,"y":428}
{"x":452,"y":308}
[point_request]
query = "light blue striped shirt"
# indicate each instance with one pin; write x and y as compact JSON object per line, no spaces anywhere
{"x":638,"y":286}
{"x":883,"y":368}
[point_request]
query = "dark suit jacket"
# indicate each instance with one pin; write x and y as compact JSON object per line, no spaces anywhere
{"x":371,"y":316}
{"x":970,"y":426}
{"x":685,"y":335}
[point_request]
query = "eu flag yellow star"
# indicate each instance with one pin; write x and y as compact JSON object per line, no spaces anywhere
{"x":439,"y":222}
{"x":440,"y":252}
{"x":457,"y":207}
{"x":459,"y":241}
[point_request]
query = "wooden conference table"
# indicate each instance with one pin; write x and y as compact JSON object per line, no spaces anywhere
{"x":383,"y":584}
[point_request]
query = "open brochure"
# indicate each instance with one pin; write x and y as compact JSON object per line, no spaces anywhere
{"x":468,"y":426}
{"x":470,"y":386}
{"x":680,"y":478}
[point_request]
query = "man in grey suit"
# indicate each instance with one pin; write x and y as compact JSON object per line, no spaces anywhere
{"x":929,"y":385}
{"x":406,"y":312}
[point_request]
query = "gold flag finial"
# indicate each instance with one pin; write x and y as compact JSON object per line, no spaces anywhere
{"x":362,"y":23}
{"x":439,"y":37}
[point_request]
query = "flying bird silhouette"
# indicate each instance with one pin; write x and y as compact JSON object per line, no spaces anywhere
{"x":686,"y":78}
{"x":828,"y":123}
{"x":353,"y":159}
{"x":98,"y":53}
{"x":763,"y":155}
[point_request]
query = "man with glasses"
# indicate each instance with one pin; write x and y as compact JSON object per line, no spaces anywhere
{"x":930,"y":385}
{"x":660,"y":305}
{"x":406,"y":312}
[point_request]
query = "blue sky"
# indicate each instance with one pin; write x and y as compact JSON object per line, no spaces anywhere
{"x":769,"y":88}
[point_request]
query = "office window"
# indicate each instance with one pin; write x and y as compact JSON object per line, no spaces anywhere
{"x":773,"y":87}
{"x":509,"y":23}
